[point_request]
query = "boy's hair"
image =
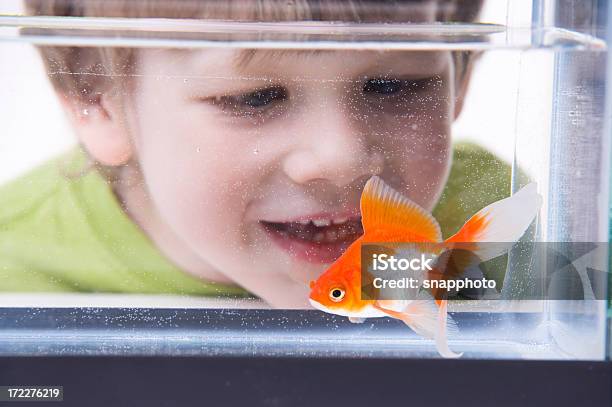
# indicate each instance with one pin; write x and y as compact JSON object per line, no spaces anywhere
{"x":91,"y":71}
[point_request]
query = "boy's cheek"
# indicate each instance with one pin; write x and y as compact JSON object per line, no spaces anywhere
{"x":199,"y":176}
{"x":201,"y":197}
{"x":421,"y":157}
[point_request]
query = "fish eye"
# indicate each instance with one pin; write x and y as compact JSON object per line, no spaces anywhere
{"x":336,"y":294}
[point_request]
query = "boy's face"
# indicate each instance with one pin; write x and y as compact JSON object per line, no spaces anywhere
{"x":256,"y":160}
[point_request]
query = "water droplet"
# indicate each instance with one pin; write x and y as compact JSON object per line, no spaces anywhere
{"x":255,"y":151}
{"x":85,"y":112}
{"x":198,"y":149}
{"x":185,"y":80}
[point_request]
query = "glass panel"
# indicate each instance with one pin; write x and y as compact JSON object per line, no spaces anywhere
{"x":160,"y":156}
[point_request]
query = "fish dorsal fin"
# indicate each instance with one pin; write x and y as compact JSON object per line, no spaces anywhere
{"x":382,"y":207}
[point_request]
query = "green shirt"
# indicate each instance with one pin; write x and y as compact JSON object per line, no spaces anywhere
{"x":60,"y":233}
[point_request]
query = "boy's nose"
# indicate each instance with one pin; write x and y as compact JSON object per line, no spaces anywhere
{"x":330,"y":145}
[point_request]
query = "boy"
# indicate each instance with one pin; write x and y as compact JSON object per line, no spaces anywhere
{"x":226,"y":171}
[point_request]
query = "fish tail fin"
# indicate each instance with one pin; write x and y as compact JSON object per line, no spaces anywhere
{"x":504,"y":221}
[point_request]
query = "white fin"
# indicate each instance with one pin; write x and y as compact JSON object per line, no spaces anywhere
{"x":445,"y":325}
{"x":421,"y":317}
{"x":394,"y":305}
{"x":503,"y":221}
{"x":424,"y":318}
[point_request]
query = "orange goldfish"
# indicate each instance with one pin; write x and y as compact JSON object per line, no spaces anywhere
{"x":388,"y":216}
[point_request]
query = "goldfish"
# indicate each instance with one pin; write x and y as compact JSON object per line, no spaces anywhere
{"x":388,"y":216}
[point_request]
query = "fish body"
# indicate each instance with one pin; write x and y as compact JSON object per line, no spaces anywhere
{"x":389,"y":217}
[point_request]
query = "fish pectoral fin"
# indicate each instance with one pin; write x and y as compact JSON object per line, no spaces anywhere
{"x":424,"y":318}
{"x":420,"y":315}
{"x":445,"y":324}
{"x":357,"y":320}
{"x":382,"y":207}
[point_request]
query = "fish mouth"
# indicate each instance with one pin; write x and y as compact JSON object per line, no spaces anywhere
{"x":318,"y":240}
{"x":341,"y":312}
{"x":318,"y":305}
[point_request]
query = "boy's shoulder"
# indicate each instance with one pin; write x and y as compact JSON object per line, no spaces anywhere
{"x":29,"y":221}
{"x":29,"y":191}
{"x":41,"y":200}
{"x":62,"y":229}
{"x":477,"y":178}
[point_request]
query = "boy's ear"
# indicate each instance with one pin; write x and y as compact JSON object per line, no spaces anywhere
{"x":100,"y":127}
{"x":463,"y":84}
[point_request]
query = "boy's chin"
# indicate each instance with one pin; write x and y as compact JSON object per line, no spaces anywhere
{"x":291,"y":303}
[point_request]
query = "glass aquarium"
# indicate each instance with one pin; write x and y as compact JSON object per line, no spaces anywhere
{"x":181,"y":177}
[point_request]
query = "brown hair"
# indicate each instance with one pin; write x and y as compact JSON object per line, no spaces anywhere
{"x":85,"y":72}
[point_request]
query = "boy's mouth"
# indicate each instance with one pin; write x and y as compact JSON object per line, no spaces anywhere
{"x":319,"y":240}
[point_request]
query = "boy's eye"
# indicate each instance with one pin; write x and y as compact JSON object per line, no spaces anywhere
{"x":382,"y":86}
{"x":259,"y":104}
{"x":256,"y":100}
{"x":263,"y":97}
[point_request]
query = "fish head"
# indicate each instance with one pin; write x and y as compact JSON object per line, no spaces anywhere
{"x":337,"y":291}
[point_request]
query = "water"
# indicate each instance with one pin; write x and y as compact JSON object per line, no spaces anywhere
{"x":218,"y":138}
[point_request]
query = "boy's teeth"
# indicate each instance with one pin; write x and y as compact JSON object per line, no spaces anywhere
{"x":338,"y":221}
{"x":320,"y":231}
{"x":321,"y":222}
